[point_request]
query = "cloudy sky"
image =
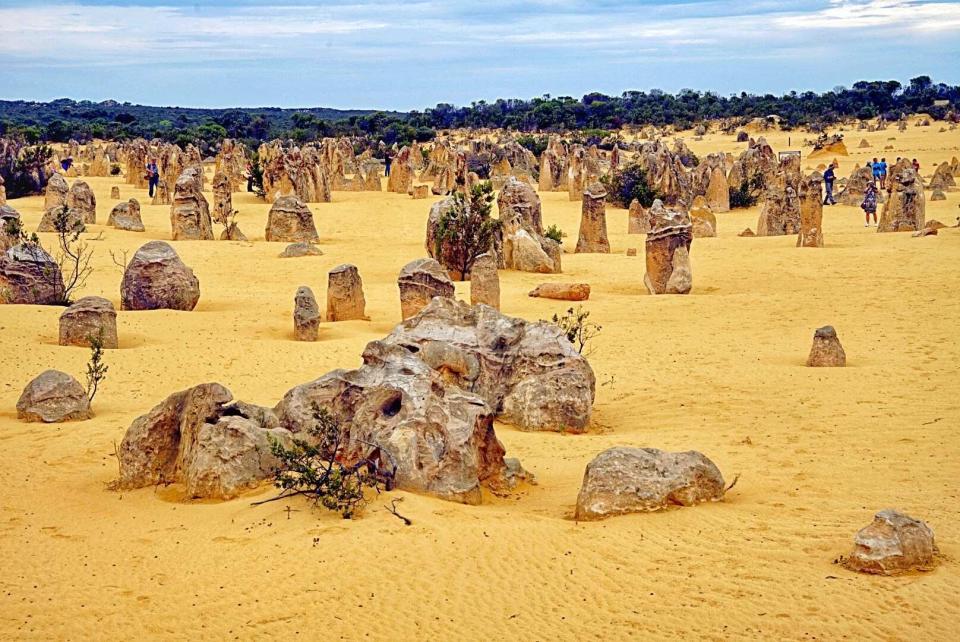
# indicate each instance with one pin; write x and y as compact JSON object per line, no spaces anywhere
{"x":408,"y":54}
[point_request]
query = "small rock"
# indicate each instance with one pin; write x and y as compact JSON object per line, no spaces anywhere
{"x":631,"y":251}
{"x":53,"y":397}
{"x":894,"y":543}
{"x":826,"y":351}
{"x":300,"y":249}
{"x":345,"y":300}
{"x":927,"y":231}
{"x":306,"y":315}
{"x":562,"y":291}
{"x":747,"y":233}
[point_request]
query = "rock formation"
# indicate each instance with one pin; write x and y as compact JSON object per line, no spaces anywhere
{"x":126,"y":216}
{"x":668,"y":251}
{"x":943,"y":178}
{"x":10,"y":226}
{"x":826,"y":350}
{"x":295,"y":250}
{"x":81,"y":198}
{"x":345,"y":300}
{"x":856,"y":186}
{"x":419,"y":282}
{"x":894,"y":543}
{"x":703,"y":221}
{"x":56,"y":192}
{"x":52,"y":397}
{"x":637,"y":218}
{"x":291,"y":221}
{"x":156,"y":279}
{"x":115,"y":192}
{"x":562,"y":291}
{"x":222,"y":198}
{"x":190,"y":212}
{"x":89,"y":318}
{"x":633,"y":480}
{"x":31,"y":276}
{"x":306,"y":315}
{"x":593,"y":221}
{"x":905,"y":209}
{"x":718,"y":192}
{"x":485,"y":281}
{"x":811,"y":211}
{"x":524,"y":246}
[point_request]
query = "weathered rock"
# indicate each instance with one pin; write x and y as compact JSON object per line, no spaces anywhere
{"x":519,"y":207}
{"x":72,"y":220}
{"x":10,"y":226}
{"x":667,"y":251}
{"x":746,"y":233}
{"x":56,"y":192}
{"x":291,"y":221}
{"x":485,"y":281}
{"x":52,"y":397}
{"x":194,"y":438}
{"x":161,"y":194}
{"x":938,"y":195}
{"x":420,"y":191}
{"x":90,"y":317}
{"x":863,"y":143}
{"x":222,"y":198}
{"x":81,"y":198}
{"x":927,"y":231}
{"x":232,"y":232}
{"x":345,"y":300}
{"x":115,"y":192}
{"x":943,"y":178}
{"x":447,"y":252}
{"x":593,"y":221}
{"x":528,"y":373}
{"x":856,"y":186}
{"x":562,"y":291}
{"x":31,"y":276}
{"x":634,"y":480}
{"x":934,"y":224}
{"x":811,"y":211}
{"x":826,"y":350}
{"x":156,"y":279}
{"x":905,"y":209}
{"x":419,"y":282}
{"x":703,"y":220}
{"x":894,"y":543}
{"x":637,"y":219}
{"x":306,"y":315}
{"x":631,"y":251}
{"x":718,"y":191}
{"x":190,"y":212}
{"x":524,"y":246}
{"x":780,"y":214}
{"x":300,"y":249}
{"x":126,"y":216}
{"x":422,"y":432}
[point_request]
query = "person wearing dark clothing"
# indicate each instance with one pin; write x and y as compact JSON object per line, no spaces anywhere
{"x":249,"y":178}
{"x":153,"y":177}
{"x":869,"y":205}
{"x":916,"y":166}
{"x":828,"y":178}
{"x":387,"y":160}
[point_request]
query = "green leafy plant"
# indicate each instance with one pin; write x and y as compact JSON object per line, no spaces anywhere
{"x":628,"y":183}
{"x":96,"y":368}
{"x":555,"y":233}
{"x":575,"y":325}
{"x":466,"y":230}
{"x":748,"y":193}
{"x":314,"y":467}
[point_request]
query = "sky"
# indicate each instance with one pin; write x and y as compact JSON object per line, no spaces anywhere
{"x":396,"y":54}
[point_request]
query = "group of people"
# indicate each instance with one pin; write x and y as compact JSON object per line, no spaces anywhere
{"x":878,"y":168}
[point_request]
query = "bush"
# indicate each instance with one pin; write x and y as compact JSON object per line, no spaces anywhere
{"x":466,"y":229}
{"x":630,"y":183}
{"x":555,"y":233}
{"x":115,"y":169}
{"x":748,"y":193}
{"x":575,"y":325}
{"x":314,"y":468}
{"x":536,"y":144}
{"x":96,"y":368}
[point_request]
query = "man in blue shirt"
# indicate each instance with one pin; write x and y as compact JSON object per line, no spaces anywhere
{"x":883,"y":172}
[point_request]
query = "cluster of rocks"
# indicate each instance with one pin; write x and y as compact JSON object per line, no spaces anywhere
{"x":668,"y":251}
{"x":345,"y":302}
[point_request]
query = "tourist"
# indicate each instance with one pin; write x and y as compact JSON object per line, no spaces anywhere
{"x":153,"y":176}
{"x":883,"y":172}
{"x":916,"y":166}
{"x":875,"y":165}
{"x":869,"y":205}
{"x":387,"y":160}
{"x":828,"y":177}
{"x":249,"y":177}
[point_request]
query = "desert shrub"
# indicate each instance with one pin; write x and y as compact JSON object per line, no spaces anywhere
{"x":480,"y":163}
{"x":629,"y":183}
{"x":466,"y":230}
{"x":96,"y":368}
{"x":748,"y":193}
{"x":115,"y":169}
{"x":555,"y":233}
{"x":72,"y":255}
{"x":576,"y":327}
{"x":314,"y":467}
{"x":536,"y":144}
{"x":256,"y":175}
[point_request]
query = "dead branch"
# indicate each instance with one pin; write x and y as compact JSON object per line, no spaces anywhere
{"x":393,"y":511}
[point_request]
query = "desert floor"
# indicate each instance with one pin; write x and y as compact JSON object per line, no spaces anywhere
{"x":818,"y":451}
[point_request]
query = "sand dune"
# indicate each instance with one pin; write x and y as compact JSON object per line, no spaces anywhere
{"x":720,"y":371}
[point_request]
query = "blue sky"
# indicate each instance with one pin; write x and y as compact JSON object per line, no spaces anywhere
{"x":394,"y":54}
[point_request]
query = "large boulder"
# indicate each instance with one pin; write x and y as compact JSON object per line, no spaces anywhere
{"x":306,"y":315}
{"x":668,"y":251}
{"x":52,"y":397}
{"x":126,"y":216}
{"x":156,"y":279}
{"x":905,"y":209}
{"x":291,"y":221}
{"x":894,"y":543}
{"x":633,"y":480}
{"x":197,"y":438}
{"x":29,"y":275}
{"x":345,"y":300}
{"x":190,"y":212}
{"x":56,"y":192}
{"x":856,"y":187}
{"x":81,"y":198}
{"x":89,"y":318}
{"x":421,"y":431}
{"x":61,"y":218}
{"x":419,"y":281}
{"x":593,"y":221}
{"x":811,"y":211}
{"x":528,"y":373}
{"x":943,"y":178}
{"x":447,"y":252}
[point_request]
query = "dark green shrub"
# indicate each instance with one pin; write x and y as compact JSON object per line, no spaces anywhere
{"x":627,"y":184}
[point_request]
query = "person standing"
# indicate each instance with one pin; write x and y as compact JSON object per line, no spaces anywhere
{"x":883,"y":173}
{"x":387,"y":161}
{"x":829,"y":177}
{"x":153,"y":177}
{"x":869,"y":205}
{"x":916,"y":166}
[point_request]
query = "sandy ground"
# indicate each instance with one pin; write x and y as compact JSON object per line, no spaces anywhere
{"x":720,"y":371}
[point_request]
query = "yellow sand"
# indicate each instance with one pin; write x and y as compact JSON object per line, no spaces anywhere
{"x":818,"y":451}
